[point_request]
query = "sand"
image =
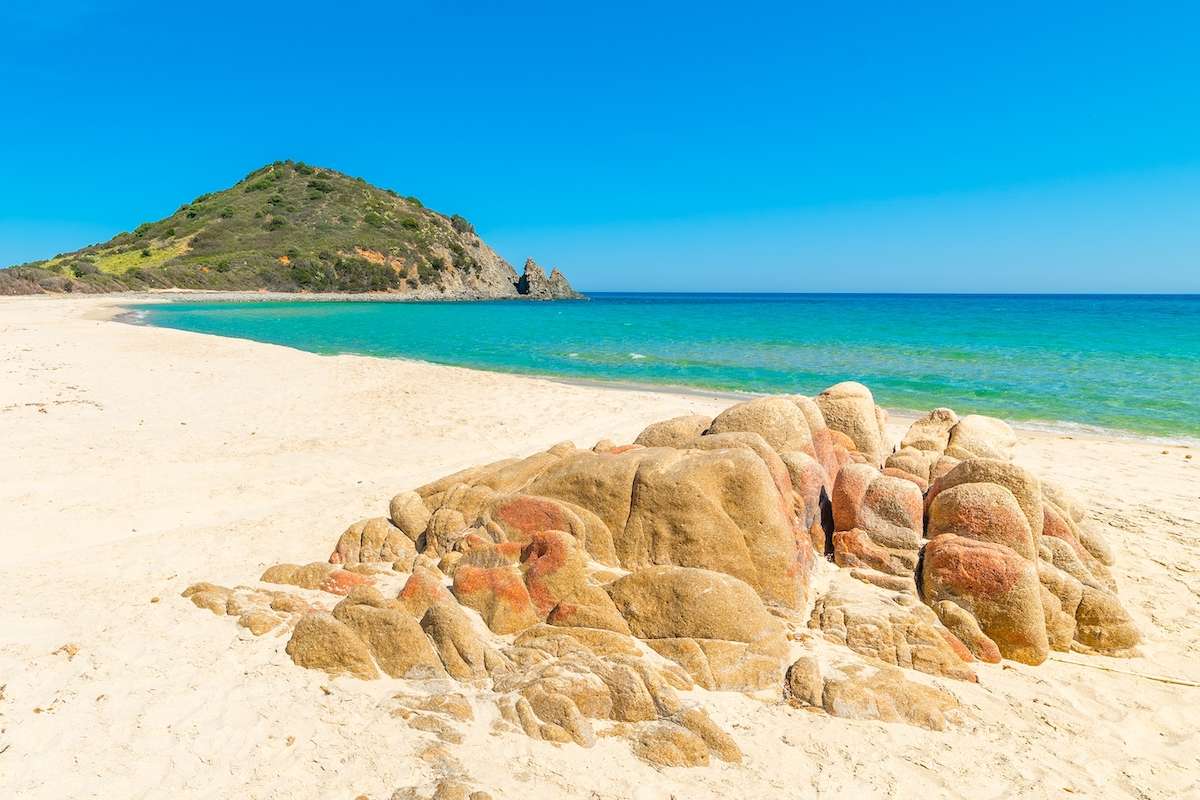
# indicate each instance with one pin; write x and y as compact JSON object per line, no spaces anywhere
{"x":135,"y":461}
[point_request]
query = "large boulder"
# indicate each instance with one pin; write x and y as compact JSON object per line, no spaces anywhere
{"x":673,"y":432}
{"x":375,"y":539}
{"x":876,"y":519}
{"x":778,"y":420}
{"x":995,"y":585}
{"x":713,"y":625}
{"x":849,"y":407}
{"x":931,"y":433}
{"x":498,"y":594}
{"x":977,"y":436}
{"x":322,"y":642}
{"x":1023,"y":484}
{"x":985,"y":511}
{"x":720,"y":510}
{"x":517,"y":517}
{"x":394,"y":638}
{"x":894,"y":629}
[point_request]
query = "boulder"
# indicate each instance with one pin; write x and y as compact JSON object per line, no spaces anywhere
{"x":409,"y":513}
{"x":370,"y":540}
{"x":669,"y":745}
{"x":394,"y":638}
{"x":977,"y":436}
{"x":719,"y":510}
{"x":322,"y":642}
{"x":460,"y":649}
{"x":1102,"y":624}
{"x":931,"y":433}
{"x":1022,"y":483}
{"x":711,"y":624}
{"x":876,"y":519}
{"x":673,"y":432}
{"x":987,"y":512}
{"x":553,"y":569}
{"x":886,"y":695}
{"x":517,"y":517}
{"x":423,"y":589}
{"x":995,"y":585}
{"x":802,"y":683}
{"x":850,"y":409}
{"x":778,"y":420}
{"x":498,"y":594}
{"x":876,"y":624}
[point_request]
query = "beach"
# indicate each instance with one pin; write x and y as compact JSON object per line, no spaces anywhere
{"x":137,"y":461}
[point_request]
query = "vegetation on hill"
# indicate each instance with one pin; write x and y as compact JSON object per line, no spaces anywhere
{"x":285,"y":227}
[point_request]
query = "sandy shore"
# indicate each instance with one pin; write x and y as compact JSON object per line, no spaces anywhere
{"x":136,"y":461}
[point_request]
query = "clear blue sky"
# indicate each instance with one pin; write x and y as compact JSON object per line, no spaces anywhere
{"x":690,"y":146}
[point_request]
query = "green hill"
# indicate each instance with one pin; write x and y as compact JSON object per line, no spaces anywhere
{"x":292,"y":227}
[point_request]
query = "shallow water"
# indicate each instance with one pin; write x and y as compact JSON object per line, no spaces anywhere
{"x":1128,"y":363}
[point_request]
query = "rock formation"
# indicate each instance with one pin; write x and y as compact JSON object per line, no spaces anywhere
{"x":581,"y":591}
{"x":536,"y":285}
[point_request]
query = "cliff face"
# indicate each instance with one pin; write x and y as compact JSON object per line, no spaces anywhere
{"x":292,"y":227}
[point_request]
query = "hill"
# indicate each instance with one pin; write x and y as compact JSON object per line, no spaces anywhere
{"x":293,"y":227}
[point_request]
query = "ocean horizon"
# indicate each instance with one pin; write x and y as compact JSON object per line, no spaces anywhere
{"x":1111,"y":362}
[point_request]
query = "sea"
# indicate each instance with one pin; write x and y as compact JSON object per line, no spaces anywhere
{"x":1117,"y":363}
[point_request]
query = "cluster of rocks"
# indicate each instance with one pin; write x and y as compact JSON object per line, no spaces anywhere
{"x":595,"y":592}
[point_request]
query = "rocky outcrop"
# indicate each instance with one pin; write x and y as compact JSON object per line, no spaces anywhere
{"x":581,"y":590}
{"x":535,"y":284}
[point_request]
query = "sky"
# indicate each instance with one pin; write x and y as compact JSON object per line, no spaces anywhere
{"x":956,"y":147}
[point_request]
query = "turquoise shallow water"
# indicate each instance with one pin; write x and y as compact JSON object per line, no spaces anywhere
{"x":1128,"y":363}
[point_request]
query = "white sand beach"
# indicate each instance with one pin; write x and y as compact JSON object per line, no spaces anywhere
{"x":135,"y":461}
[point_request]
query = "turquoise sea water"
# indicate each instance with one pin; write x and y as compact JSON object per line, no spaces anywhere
{"x":1128,"y":363}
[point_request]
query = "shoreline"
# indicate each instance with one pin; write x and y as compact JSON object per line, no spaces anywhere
{"x":1059,"y":427}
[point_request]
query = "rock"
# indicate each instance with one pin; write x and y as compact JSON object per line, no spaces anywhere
{"x":397,"y":642}
{"x":459,"y":648}
{"x":516,"y":518}
{"x":996,"y":585}
{"x":966,"y":629}
{"x":666,"y":602}
{"x":718,"y":742}
{"x":886,"y":695}
{"x":977,"y":436}
{"x":711,"y":624}
{"x":322,"y":642}
{"x":850,"y":409}
{"x":987,"y":512}
{"x":876,"y":625}
{"x":498,"y":594}
{"x":409,"y":513}
{"x":536,"y":285}
{"x":370,"y":540}
{"x":914,"y":463}
{"x":669,"y":745}
{"x":719,"y":510}
{"x":802,"y":682}
{"x":931,"y":433}
{"x":258,"y":622}
{"x":553,"y":568}
{"x":588,"y":607}
{"x":1023,"y":485}
{"x":778,"y":420}
{"x":811,"y":486}
{"x":1102,"y":624}
{"x":876,"y":519}
{"x":673,"y":432}
{"x":317,"y":575}
{"x":423,"y":589}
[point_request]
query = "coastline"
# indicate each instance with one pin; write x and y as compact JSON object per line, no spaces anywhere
{"x":139,"y":460}
{"x":126,"y":312}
